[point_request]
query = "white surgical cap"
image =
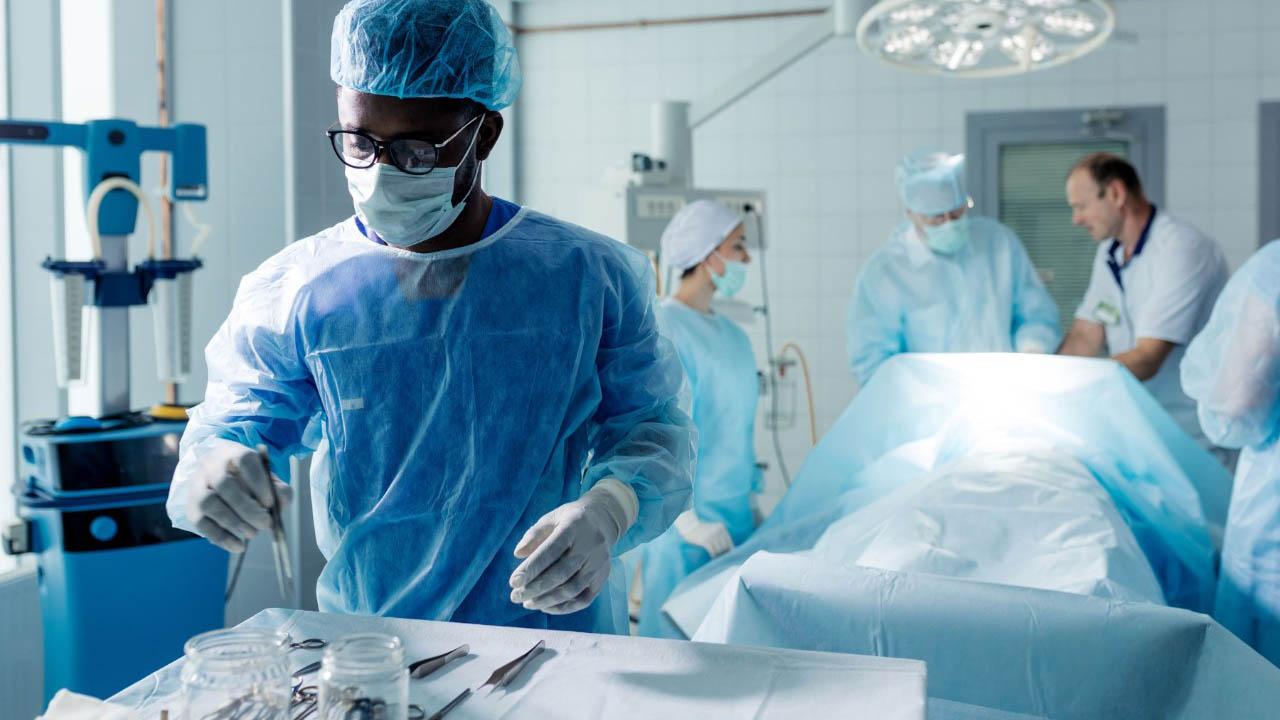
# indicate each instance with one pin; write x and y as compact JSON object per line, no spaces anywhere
{"x":931,"y":182}
{"x":695,"y":231}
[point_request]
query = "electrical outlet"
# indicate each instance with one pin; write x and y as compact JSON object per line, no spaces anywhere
{"x":741,"y":203}
{"x":658,"y":207}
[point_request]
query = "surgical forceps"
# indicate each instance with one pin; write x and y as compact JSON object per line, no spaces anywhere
{"x":279,"y":547}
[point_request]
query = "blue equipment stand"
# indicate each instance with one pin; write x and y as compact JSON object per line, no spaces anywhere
{"x":121,"y":589}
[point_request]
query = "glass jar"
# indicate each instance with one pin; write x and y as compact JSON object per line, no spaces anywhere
{"x":236,"y":673}
{"x":364,"y":677}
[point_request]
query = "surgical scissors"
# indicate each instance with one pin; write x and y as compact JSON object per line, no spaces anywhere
{"x":308,"y":644}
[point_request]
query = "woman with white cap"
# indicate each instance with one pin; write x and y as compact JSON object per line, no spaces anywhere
{"x":705,"y":242}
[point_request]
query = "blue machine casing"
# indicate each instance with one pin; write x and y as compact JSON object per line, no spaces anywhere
{"x":121,"y":590}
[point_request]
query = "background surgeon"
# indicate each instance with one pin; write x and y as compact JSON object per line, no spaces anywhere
{"x":947,"y":280}
{"x":705,"y":242}
{"x":456,"y":360}
{"x":1152,"y":287}
{"x":1232,"y":369}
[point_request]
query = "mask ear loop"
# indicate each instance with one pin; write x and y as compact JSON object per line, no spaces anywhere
{"x":475,"y":180}
{"x":723,"y":262}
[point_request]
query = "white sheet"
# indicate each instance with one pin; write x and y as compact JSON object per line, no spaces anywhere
{"x":602,"y":676}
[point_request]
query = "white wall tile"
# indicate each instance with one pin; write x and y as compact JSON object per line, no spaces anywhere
{"x":1235,"y":142}
{"x":1189,"y":144}
{"x":1235,"y":188}
{"x":1188,"y":55}
{"x":1235,"y":53}
{"x":1188,"y":16}
{"x":1237,"y":15}
{"x":920,"y":110}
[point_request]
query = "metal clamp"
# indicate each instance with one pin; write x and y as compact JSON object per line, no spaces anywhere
{"x":16,"y":538}
{"x":122,"y":288}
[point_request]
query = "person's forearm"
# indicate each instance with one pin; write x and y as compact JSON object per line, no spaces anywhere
{"x":1144,"y":366}
{"x":1084,"y":339}
{"x":1073,"y":344}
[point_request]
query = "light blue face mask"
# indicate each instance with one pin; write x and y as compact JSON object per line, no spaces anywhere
{"x":948,"y":237}
{"x":405,"y":209}
{"x":734,"y":277}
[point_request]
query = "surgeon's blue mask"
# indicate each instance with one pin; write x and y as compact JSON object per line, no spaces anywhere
{"x":734,"y":277}
{"x":405,"y":209}
{"x":949,"y":237}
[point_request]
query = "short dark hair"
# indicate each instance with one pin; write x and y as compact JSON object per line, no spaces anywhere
{"x":1105,"y":168}
{"x":689,"y":271}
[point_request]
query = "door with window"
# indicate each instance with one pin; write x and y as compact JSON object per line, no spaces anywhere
{"x":1269,"y":167}
{"x":1017,"y":169}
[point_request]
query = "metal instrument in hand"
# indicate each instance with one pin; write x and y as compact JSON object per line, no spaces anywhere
{"x":279,"y":548}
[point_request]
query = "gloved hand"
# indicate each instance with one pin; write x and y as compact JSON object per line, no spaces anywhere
{"x":1032,"y":346}
{"x":712,"y":537}
{"x":230,"y":494}
{"x":567,"y":552}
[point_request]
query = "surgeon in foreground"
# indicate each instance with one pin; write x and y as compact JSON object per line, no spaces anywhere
{"x":493,"y":411}
{"x":947,"y":280}
{"x":1232,"y":369}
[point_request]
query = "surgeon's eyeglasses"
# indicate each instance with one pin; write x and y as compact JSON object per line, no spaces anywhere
{"x":412,"y":155}
{"x":948,"y":216}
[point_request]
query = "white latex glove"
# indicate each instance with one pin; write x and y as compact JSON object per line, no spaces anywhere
{"x":1031,"y":346}
{"x":567,"y":552}
{"x":712,"y":537}
{"x":230,"y":494}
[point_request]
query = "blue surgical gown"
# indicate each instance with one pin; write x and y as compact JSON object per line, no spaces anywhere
{"x":986,"y":297}
{"x":1232,"y":369}
{"x":723,"y":391}
{"x":452,"y":399}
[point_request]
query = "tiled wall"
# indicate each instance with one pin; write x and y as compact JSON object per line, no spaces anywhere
{"x":822,"y":137}
{"x":228,"y":74}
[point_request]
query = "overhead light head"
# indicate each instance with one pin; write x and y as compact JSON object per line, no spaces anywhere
{"x":984,"y":38}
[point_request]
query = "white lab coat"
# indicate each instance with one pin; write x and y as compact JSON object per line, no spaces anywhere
{"x":1166,"y":292}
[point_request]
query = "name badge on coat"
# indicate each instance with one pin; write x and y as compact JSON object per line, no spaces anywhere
{"x":1106,"y":313}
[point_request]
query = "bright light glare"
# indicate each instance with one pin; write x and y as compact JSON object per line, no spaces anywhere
{"x":908,"y":41}
{"x":956,"y":54}
{"x":1069,"y":22}
{"x":1049,"y":4}
{"x":914,"y":14}
{"x":1015,"y":18}
{"x":1015,"y":46}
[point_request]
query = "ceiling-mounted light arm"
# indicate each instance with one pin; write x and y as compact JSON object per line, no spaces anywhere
{"x":841,"y":19}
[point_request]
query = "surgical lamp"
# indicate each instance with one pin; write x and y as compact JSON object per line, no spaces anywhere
{"x":984,"y":38}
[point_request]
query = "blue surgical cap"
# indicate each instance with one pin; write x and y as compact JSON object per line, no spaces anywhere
{"x":931,"y":182}
{"x":425,"y":49}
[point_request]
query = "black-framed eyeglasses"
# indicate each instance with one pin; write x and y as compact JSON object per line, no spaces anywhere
{"x":412,"y":155}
